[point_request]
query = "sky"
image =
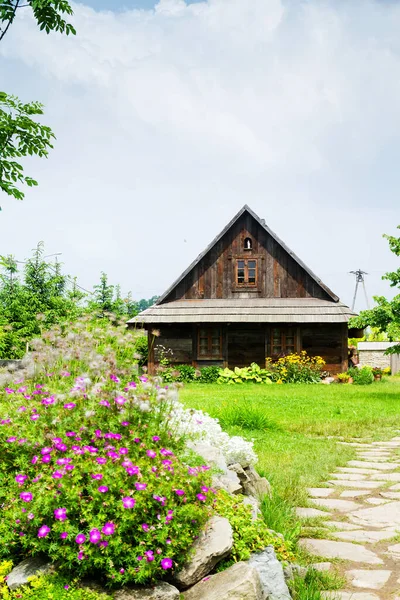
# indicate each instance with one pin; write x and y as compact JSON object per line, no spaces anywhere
{"x":170,"y":117}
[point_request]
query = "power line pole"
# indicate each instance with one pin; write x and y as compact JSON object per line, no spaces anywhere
{"x":359,"y":279}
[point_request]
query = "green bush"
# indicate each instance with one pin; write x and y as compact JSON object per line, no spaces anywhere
{"x":209,"y":374}
{"x":91,"y":474}
{"x":141,"y":347}
{"x":47,"y":587}
{"x":363,"y":376}
{"x":252,"y":374}
{"x":248,"y":536}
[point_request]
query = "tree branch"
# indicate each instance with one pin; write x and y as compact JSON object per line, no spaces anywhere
{"x":11,"y":19}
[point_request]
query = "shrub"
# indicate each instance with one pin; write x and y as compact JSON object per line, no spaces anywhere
{"x":90,"y":476}
{"x":141,"y":348}
{"x":299,"y":368}
{"x":363,"y":376}
{"x":248,"y":536}
{"x":47,"y":587}
{"x":209,"y":374}
{"x":387,"y":371}
{"x":252,"y":374}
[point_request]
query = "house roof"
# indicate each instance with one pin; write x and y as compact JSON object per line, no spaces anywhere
{"x":257,"y":310}
{"x":262,"y":224}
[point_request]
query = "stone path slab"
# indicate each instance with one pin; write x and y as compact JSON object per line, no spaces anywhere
{"x":355,"y":493}
{"x":373,"y":465}
{"x":378,"y":516}
{"x":344,"y":550}
{"x":395,"y":487}
{"x":342,"y":525}
{"x":394,"y":551}
{"x":388,"y":477}
{"x":349,"y":476}
{"x":373,"y":579}
{"x":360,"y":535}
{"x":391,"y":495}
{"x":376,"y":501}
{"x":320,"y":492}
{"x":349,"y":596}
{"x":368,"y":485}
{"x":343,"y":506}
{"x":307,"y":513}
{"x":357,"y":470}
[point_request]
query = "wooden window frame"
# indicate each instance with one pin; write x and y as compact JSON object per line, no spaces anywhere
{"x":246,"y":283}
{"x":209,"y":355}
{"x":284,"y":330}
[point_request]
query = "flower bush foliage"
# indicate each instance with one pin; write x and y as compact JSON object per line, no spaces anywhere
{"x":363,"y":376}
{"x":95,"y":469}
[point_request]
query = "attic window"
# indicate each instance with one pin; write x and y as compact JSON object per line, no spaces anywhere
{"x":248,"y":244}
{"x":246,"y":272}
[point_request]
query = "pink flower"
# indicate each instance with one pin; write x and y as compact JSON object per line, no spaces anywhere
{"x":103,"y":544}
{"x":35,"y":417}
{"x":114,"y":378}
{"x":204,"y":489}
{"x":69,"y":405}
{"x":57,"y":475}
{"x":180,"y":492}
{"x":46,"y":450}
{"x":94,"y":536}
{"x":201,"y":497}
{"x":125,"y":423}
{"x":80,"y":538}
{"x":145,"y":527}
{"x":149,"y":555}
{"x":120,"y":400}
{"x":43,"y":531}
{"x":108,"y":529}
{"x":151,"y":453}
{"x":123,"y":451}
{"x":134,"y":470}
{"x":64,"y":535}
{"x":166,"y":563}
{"x":11,"y":439}
{"x":60,"y":514}
{"x":26,"y":496}
{"x":128,"y":502}
{"x":156,"y":438}
{"x":21,"y":478}
{"x":102,"y":489}
{"x":46,"y":459}
{"x":34,"y":460}
{"x":105,"y":403}
{"x":97,"y":476}
{"x":140,"y":486}
{"x":81,"y":555}
{"x":122,"y":570}
{"x":101,"y":460}
{"x":70,"y":434}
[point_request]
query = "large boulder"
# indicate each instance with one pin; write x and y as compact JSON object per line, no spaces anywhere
{"x":28,"y":568}
{"x":271,"y":574}
{"x":159,"y":591}
{"x":229,"y":482}
{"x":255,"y":485}
{"x":239,"y":582}
{"x":213,"y":544}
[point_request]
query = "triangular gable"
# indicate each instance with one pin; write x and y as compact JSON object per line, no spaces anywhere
{"x":262,"y":224}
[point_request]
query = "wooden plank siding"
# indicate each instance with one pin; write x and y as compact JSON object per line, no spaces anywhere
{"x":245,"y":343}
{"x":278,"y":274}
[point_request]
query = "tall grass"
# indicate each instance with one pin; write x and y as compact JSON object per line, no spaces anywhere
{"x":248,"y":416}
{"x":313,"y":584}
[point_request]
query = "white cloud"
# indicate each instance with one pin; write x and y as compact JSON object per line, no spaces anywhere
{"x":169,"y":120}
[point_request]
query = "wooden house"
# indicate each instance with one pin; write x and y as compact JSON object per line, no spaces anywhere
{"x":245,"y":298}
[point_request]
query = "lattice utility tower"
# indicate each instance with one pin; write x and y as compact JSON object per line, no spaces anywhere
{"x":359,"y":279}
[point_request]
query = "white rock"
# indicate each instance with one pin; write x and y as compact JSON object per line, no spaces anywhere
{"x":212,"y":545}
{"x":372,"y":579}
{"x":239,"y":582}
{"x":27,"y":568}
{"x":160,"y":591}
{"x":343,"y":506}
{"x":271,"y":574}
{"x":307,"y":513}
{"x":344,"y":550}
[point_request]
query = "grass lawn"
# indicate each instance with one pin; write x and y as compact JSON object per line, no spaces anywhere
{"x":295,"y":427}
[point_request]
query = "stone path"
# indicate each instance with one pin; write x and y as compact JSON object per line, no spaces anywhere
{"x":361,"y":503}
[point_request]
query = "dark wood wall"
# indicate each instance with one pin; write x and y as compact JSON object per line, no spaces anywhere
{"x":279,"y":275}
{"x":246,"y":343}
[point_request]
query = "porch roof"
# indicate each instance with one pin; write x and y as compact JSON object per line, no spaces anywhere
{"x":245,"y":310}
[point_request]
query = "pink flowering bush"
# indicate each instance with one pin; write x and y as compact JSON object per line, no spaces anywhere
{"x":92,"y":475}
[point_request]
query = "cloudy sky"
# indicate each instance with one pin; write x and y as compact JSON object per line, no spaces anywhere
{"x":170,"y":116}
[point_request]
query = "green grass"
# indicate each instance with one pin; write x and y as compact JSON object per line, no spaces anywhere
{"x":310,"y":587}
{"x":295,"y":429}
